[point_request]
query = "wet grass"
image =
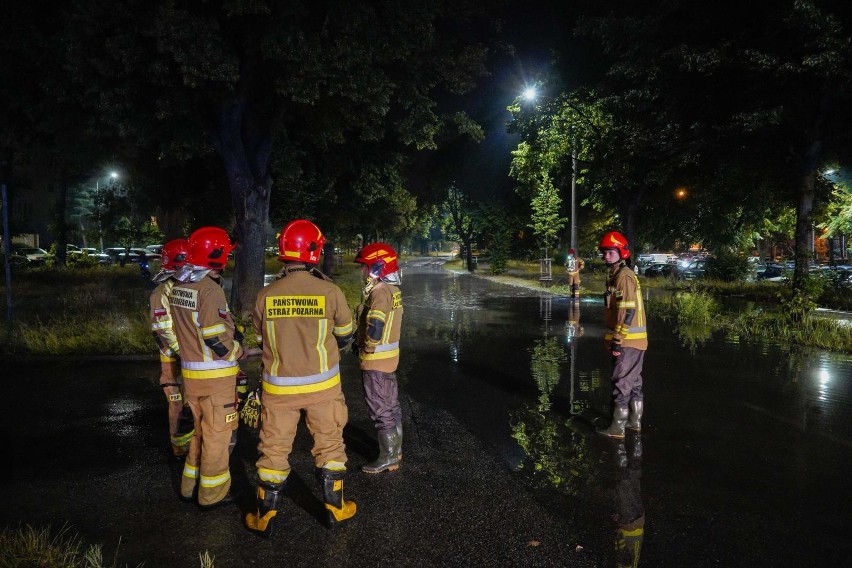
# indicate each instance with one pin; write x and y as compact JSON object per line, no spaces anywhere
{"x":101,"y":310}
{"x":42,"y":548}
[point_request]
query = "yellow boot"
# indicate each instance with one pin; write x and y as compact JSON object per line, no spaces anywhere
{"x":338,"y":510}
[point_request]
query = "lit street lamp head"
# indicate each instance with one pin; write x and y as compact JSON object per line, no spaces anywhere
{"x":530,"y":93}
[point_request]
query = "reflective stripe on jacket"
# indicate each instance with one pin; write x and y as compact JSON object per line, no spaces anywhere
{"x":204,"y":328}
{"x":624,"y":311}
{"x":302,"y":320}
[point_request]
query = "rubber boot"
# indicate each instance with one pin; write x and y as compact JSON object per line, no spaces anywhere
{"x":387,"y":454}
{"x":268,"y":501}
{"x":616,"y":428}
{"x":635,"y":420}
{"x":338,"y":510}
{"x":398,"y":446}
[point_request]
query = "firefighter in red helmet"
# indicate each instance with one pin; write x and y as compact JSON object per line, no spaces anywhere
{"x":209,"y":348}
{"x":626,"y":335}
{"x":573,"y":266}
{"x":302,"y":321}
{"x":377,"y":340}
{"x":180,"y":416}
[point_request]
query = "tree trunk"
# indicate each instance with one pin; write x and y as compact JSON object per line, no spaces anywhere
{"x":804,"y":210}
{"x":803,"y":226}
{"x":328,"y":258}
{"x":245,"y":151}
{"x":468,"y":248}
{"x":61,"y":224}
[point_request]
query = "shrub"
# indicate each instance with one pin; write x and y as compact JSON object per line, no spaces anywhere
{"x":728,"y":266}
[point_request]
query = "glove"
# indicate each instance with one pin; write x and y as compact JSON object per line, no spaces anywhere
{"x":615,"y":349}
{"x":239,"y":333}
{"x":250,"y":411}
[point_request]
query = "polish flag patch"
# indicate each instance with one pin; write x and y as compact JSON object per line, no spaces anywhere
{"x":223,"y":313}
{"x":160,"y":312}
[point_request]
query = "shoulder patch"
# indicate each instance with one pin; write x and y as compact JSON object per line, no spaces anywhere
{"x":160,"y":312}
{"x":223,"y":313}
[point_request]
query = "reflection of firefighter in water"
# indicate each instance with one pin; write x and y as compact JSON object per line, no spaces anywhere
{"x":573,"y":266}
{"x":572,"y":324}
{"x":628,"y":511}
{"x":579,"y":388}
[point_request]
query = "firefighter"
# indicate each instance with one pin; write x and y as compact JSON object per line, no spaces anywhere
{"x":573,"y":266}
{"x":377,"y":341}
{"x":302,"y":321}
{"x":180,"y":416}
{"x":626,"y":336}
{"x":209,"y":352}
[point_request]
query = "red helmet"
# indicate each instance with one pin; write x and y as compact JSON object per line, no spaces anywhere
{"x":174,"y":254}
{"x":380,"y":258}
{"x":615,"y":240}
{"x":300,"y":241}
{"x":209,"y":247}
{"x":572,"y":251}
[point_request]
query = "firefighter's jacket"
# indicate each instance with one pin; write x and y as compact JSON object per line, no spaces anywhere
{"x":204,"y":328}
{"x":302,"y":322}
{"x":379,"y":328}
{"x":574,"y":265}
{"x":624,"y":312}
{"x":161,"y":322}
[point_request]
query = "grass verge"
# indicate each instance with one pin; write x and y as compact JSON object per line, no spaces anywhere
{"x":101,"y":310}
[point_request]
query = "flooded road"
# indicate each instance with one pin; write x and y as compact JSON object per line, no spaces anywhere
{"x":745,"y":449}
{"x":743,"y":459}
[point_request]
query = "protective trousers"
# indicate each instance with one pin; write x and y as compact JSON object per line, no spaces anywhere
{"x":382,"y":395}
{"x":627,"y":376}
{"x":172,"y":387}
{"x":280,"y":415}
{"x":213,"y":404}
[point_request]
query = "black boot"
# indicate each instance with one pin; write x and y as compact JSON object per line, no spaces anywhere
{"x":268,"y":501}
{"x":337,"y":509}
{"x":387,"y":454}
{"x":616,"y":428}
{"x":635,"y":420}
{"x":398,"y":446}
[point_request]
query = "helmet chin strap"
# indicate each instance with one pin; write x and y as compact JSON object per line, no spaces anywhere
{"x":371,"y":283}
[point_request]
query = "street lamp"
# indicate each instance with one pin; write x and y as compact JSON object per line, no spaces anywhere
{"x":530,"y":93}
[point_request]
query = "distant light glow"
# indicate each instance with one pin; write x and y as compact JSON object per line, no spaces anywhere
{"x":680,"y":193}
{"x":530,"y":93}
{"x":113,"y":175}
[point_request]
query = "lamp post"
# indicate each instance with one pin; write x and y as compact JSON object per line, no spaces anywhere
{"x":574,"y":163}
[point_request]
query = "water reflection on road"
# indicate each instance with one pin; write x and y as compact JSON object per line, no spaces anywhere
{"x":743,"y":444}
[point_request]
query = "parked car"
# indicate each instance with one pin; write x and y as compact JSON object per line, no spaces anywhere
{"x":135,"y":254}
{"x":693,"y":270}
{"x":658,"y":269}
{"x":773,"y":273}
{"x":156,"y":249}
{"x":36,"y":256}
{"x":15,"y":260}
{"x":101,"y":257}
{"x":655,"y":258}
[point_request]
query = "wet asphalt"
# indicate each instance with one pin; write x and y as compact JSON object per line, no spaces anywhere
{"x":743,"y":459}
